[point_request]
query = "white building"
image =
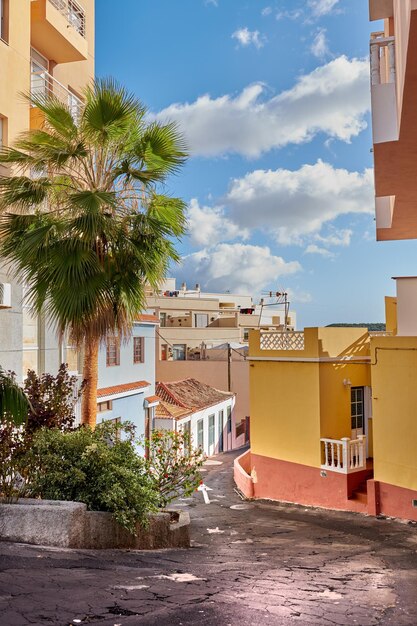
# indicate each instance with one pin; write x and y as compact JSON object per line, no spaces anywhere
{"x":194,"y":407}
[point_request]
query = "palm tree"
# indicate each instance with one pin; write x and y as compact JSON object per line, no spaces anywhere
{"x":13,"y":401}
{"x":90,"y":226}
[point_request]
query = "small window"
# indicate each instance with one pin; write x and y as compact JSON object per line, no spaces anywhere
{"x":105,"y":406}
{"x":212,"y":430}
{"x":200,"y":320}
{"x":179,"y":350}
{"x":138,"y":349}
{"x":229,"y":419}
{"x":163,"y":320}
{"x":200,"y":434}
{"x":4,"y":20}
{"x":113,"y":351}
{"x":246,"y":334}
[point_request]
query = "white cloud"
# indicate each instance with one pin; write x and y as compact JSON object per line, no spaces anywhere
{"x":246,"y":37}
{"x":266,"y":11}
{"x":333,"y":99}
{"x":292,"y":205}
{"x":314,"y":249}
{"x":322,"y":7}
{"x":208,"y":225}
{"x":236,"y":267}
{"x":340,"y":237}
{"x":320,"y":46}
{"x":212,"y":2}
{"x":291,"y":15}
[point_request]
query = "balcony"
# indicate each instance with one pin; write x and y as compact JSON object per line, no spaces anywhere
{"x":345,"y":455}
{"x":383,"y":88}
{"x":58,"y":30}
{"x":45,"y":85}
{"x":273,"y":340}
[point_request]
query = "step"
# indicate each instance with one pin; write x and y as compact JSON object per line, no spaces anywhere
{"x":360,"y":496}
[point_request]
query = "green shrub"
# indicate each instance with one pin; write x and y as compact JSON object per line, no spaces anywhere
{"x":100,"y":468}
{"x":173,"y":464}
{"x":13,"y":445}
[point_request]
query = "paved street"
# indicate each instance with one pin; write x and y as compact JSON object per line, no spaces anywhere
{"x":250,"y":564}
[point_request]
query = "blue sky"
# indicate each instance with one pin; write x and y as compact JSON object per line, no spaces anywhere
{"x":273,"y":98}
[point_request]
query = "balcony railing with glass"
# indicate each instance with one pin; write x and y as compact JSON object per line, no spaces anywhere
{"x":73,"y":13}
{"x":45,"y":85}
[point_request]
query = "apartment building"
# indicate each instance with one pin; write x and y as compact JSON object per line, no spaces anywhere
{"x":46,"y":46}
{"x":205,"y":335}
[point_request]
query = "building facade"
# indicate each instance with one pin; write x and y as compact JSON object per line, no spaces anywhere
{"x":202,"y":411}
{"x":46,"y":47}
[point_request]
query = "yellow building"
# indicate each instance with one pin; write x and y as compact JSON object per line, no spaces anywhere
{"x":46,"y":47}
{"x":311,"y":417}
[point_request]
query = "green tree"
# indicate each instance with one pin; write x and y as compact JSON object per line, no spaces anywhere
{"x":83,"y":218}
{"x":14,"y":405}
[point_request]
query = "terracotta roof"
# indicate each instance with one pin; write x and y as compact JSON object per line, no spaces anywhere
{"x":167,"y":410}
{"x":147,"y":317}
{"x":191,"y":394}
{"x":112,"y":391}
{"x":152,"y":399}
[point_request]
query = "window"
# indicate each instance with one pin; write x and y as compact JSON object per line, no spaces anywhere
{"x":200,"y":434}
{"x":4,"y":20}
{"x":212,"y":430}
{"x":138,"y":349}
{"x":105,"y":406}
{"x":246,"y":334}
{"x":163,"y":320}
{"x":229,"y":419}
{"x":200,"y":320}
{"x":179,"y":351}
{"x":113,"y":351}
{"x":357,"y":409}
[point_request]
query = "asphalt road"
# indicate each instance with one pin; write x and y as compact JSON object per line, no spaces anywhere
{"x":250,"y":563}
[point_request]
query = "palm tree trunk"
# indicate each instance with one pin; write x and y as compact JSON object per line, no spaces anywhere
{"x":90,"y":373}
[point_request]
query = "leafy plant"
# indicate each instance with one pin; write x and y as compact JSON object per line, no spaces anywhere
{"x":52,"y":399}
{"x":173,"y":464}
{"x":13,"y":446}
{"x":100,"y":468}
{"x":14,"y":404}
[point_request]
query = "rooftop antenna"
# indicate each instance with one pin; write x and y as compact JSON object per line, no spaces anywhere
{"x":280,"y":298}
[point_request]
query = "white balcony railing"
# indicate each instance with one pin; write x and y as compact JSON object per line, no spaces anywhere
{"x":344,"y":455}
{"x":382,"y":59}
{"x":45,"y":85}
{"x":73,"y":13}
{"x":285,"y":340}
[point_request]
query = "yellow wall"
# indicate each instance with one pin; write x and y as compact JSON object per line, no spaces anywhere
{"x":285,"y":411}
{"x":294,"y":403}
{"x":394,"y":391}
{"x":391,"y":314}
{"x":15,"y":67}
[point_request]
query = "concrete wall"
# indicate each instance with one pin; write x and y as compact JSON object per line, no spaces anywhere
{"x":214,"y":373}
{"x":394,"y":390}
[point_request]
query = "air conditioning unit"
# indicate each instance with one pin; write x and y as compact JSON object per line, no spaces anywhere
{"x":5,"y":295}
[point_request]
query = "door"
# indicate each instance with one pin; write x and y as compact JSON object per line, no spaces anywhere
{"x":357,"y":411}
{"x":212,"y":434}
{"x":200,"y":434}
{"x":221,"y":426}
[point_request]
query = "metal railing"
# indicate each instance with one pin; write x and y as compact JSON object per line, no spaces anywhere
{"x":344,"y":455}
{"x":286,"y":340}
{"x":45,"y":85}
{"x":73,"y":13}
{"x":382,"y":59}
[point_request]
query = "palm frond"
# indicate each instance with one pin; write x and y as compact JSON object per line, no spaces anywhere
{"x":14,"y":404}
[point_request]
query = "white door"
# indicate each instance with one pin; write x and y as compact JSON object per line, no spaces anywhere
{"x":357,"y":411}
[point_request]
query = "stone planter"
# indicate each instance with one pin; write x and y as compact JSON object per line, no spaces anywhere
{"x":70,"y":525}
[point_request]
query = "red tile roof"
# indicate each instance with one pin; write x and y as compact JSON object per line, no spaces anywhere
{"x":191,"y":394}
{"x":152,"y":399}
{"x":147,"y":317}
{"x":112,"y":391}
{"x":167,"y":410}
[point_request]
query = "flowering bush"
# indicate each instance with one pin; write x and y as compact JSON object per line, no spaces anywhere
{"x":173,"y":464}
{"x":100,"y":468}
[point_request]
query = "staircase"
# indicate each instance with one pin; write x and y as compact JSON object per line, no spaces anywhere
{"x":360,"y":494}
